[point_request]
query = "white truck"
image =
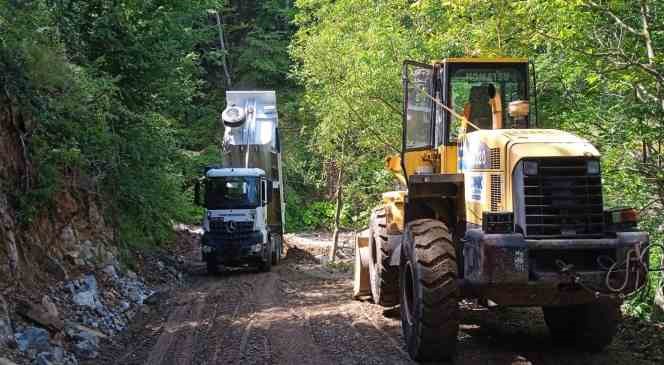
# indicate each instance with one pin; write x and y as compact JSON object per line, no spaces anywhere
{"x":243,"y":197}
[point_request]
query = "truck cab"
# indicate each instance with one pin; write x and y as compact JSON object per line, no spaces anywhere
{"x":235,"y":229}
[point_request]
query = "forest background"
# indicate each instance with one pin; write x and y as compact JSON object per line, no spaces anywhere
{"x":127,"y":94}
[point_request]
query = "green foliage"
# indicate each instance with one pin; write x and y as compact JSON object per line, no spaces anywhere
{"x":109,"y":89}
{"x":304,"y":216}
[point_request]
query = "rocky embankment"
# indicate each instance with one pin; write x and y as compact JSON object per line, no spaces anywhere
{"x":65,"y":321}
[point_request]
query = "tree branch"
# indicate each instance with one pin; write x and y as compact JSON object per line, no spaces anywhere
{"x":615,"y":18}
{"x":387,"y":104}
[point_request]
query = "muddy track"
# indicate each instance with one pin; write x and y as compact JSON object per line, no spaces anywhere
{"x":294,"y":316}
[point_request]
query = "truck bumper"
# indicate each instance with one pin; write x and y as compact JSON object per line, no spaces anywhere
{"x":511,"y":270}
{"x":237,"y":250}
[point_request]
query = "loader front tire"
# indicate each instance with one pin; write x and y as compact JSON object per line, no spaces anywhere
{"x":384,"y":279}
{"x":590,"y":327}
{"x":429,"y":293}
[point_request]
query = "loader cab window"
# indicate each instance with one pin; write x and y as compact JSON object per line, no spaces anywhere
{"x":469,"y":96}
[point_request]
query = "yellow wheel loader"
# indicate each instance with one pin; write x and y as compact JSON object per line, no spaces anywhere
{"x":495,"y":210}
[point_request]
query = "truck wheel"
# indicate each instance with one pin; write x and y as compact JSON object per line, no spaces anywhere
{"x":429,"y":293}
{"x":212,"y":265}
{"x":590,"y":327}
{"x":384,"y":278}
{"x":276,"y":254}
{"x":266,"y":265}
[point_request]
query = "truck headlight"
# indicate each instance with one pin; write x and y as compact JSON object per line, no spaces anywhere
{"x":592,"y":167}
{"x":530,"y":168}
{"x":257,"y":247}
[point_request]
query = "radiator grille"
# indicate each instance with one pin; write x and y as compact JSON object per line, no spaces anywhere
{"x":217,"y":225}
{"x":495,"y":158}
{"x":496,"y":192}
{"x":563,"y":200}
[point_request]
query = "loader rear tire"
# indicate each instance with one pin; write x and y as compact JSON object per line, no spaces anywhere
{"x":384,"y":279}
{"x":429,"y":293}
{"x":590,"y":327}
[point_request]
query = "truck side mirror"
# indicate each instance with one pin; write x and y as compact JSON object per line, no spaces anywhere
{"x":264,"y":191}
{"x":197,"y":192}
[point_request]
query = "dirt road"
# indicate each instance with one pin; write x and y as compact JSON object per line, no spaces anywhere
{"x":302,"y":314}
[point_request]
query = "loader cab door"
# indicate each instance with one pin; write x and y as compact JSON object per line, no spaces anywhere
{"x":418,"y":117}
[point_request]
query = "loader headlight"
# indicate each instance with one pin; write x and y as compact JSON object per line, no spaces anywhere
{"x":498,"y":222}
{"x":530,"y":168}
{"x":592,"y":167}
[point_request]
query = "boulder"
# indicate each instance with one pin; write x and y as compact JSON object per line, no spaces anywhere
{"x":110,"y":271}
{"x":131,"y":275}
{"x":5,"y":361}
{"x":55,"y":268}
{"x":44,"y":358}
{"x":86,"y":299}
{"x":49,"y":306}
{"x":33,"y":339}
{"x":88,"y":253}
{"x":68,"y":237}
{"x":90,"y":282}
{"x":86,"y":343}
{"x":44,"y":315}
{"x":85,"y":291}
{"x":124,"y":306}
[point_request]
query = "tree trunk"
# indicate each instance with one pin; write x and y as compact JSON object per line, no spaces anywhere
{"x":337,"y":214}
{"x":223,"y":49}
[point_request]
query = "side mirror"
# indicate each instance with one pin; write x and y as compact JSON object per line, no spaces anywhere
{"x":264,"y":191}
{"x":197,"y":192}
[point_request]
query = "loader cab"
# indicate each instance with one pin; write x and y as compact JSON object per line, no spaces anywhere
{"x":491,"y":94}
{"x":483,"y":94}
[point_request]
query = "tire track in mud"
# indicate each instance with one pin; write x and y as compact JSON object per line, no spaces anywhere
{"x":293,"y":315}
{"x":339,"y":325}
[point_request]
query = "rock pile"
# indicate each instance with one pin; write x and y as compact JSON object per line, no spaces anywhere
{"x":94,"y":306}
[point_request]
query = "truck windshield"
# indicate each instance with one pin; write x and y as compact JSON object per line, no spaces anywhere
{"x":231,"y":192}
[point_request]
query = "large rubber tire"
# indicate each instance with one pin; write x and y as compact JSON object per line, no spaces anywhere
{"x":266,"y":265}
{"x":276,"y":254}
{"x":589,"y":327}
{"x":383,"y":278}
{"x":429,"y":293}
{"x":212,"y":266}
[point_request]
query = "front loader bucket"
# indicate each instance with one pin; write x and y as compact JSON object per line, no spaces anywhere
{"x":361,"y":288}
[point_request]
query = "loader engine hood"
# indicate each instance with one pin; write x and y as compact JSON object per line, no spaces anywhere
{"x":522,"y":143}
{"x":503,"y":148}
